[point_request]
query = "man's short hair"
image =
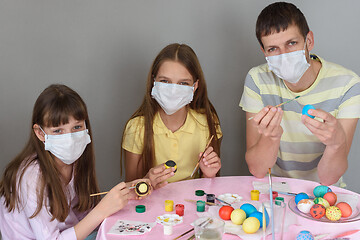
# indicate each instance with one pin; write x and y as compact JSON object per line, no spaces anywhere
{"x":277,"y":17}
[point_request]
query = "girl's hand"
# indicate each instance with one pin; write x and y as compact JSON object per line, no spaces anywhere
{"x":132,"y":193}
{"x":114,"y":200}
{"x":158,"y":175}
{"x":210,"y":164}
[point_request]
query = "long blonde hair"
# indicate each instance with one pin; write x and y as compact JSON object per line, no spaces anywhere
{"x":52,"y":108}
{"x":185,"y":55}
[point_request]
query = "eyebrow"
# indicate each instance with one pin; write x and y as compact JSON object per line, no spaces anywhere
{"x":296,"y":39}
{"x":185,"y":79}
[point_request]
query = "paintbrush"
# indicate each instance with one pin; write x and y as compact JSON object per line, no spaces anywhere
{"x":102,"y":193}
{"x":280,"y":104}
{"x":271,"y":206}
{"x":207,"y":203}
{"x":263,"y":222}
{"x":197,"y":165}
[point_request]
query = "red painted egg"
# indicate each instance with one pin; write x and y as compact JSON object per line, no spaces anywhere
{"x":345,"y":209}
{"x":331,"y":198}
{"x":317,"y":211}
{"x":225,"y":212}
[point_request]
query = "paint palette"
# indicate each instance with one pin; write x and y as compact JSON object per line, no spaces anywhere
{"x":172,"y":219}
{"x":230,"y":198}
{"x":355,"y":216}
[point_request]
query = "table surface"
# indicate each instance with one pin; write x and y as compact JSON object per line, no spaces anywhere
{"x":241,"y":185}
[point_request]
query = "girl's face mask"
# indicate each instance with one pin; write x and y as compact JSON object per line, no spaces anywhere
{"x":67,"y":147}
{"x":172,"y":97}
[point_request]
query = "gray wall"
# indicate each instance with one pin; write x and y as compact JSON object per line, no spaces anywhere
{"x":103,"y":50}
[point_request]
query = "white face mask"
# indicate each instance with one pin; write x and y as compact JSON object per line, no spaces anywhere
{"x":289,"y":66}
{"x":67,"y":147}
{"x":172,"y":97}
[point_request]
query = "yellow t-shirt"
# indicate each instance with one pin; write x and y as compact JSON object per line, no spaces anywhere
{"x":182,"y":146}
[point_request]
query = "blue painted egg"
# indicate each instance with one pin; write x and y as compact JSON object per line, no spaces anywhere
{"x":304,"y":235}
{"x":320,"y":191}
{"x":306,"y":108}
{"x":248,"y":209}
{"x":259,"y":216}
{"x":300,"y":196}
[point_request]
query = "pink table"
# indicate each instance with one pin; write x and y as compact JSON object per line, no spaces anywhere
{"x":241,"y":185}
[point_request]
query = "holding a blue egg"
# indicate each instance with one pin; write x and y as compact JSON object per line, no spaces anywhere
{"x":306,"y":108}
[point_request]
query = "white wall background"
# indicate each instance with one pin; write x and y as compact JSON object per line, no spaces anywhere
{"x":104,"y":49}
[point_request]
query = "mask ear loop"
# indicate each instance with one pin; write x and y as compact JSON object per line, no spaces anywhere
{"x":305,"y":50}
{"x":45,"y":135}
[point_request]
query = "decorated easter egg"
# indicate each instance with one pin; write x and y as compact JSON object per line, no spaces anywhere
{"x":317,"y":211}
{"x":259,"y":216}
{"x":320,"y":190}
{"x":304,"y":235}
{"x":251,"y":225}
{"x":333,"y":213}
{"x":305,"y":205}
{"x":300,"y":196}
{"x":306,"y":108}
{"x":248,"y":208}
{"x":345,"y":209}
{"x":322,"y":201}
{"x":225,"y":212}
{"x":331,"y":198}
{"x":238,"y":216}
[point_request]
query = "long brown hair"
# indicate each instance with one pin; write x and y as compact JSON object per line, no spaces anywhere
{"x":185,"y":55}
{"x":52,"y":108}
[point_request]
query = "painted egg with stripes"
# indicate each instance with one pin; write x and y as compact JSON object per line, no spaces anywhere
{"x":322,"y":201}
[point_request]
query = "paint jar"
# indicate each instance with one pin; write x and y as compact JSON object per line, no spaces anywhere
{"x":179,"y":209}
{"x":200,"y":206}
{"x":255,"y":195}
{"x":169,"y":205}
{"x":210,"y":198}
{"x":168,"y":228}
{"x":278,"y":200}
{"x":274,"y":195}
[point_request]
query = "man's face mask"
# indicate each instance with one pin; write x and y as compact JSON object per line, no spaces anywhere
{"x":289,"y":66}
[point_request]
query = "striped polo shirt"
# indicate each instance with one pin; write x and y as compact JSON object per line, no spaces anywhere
{"x":336,"y":90}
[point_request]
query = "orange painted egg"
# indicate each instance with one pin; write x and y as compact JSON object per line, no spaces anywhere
{"x":345,"y":209}
{"x":333,"y":213}
{"x":317,"y":211}
{"x":330,"y":197}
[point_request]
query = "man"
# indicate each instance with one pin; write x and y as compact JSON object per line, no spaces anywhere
{"x":281,"y":138}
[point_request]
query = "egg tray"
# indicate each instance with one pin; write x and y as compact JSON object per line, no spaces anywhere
{"x":355,"y":216}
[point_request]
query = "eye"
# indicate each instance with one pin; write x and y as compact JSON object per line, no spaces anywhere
{"x":163,"y":81}
{"x":57,"y":131}
{"x":292,"y":43}
{"x":271,"y":49}
{"x":184,"y":83}
{"x":78,"y":127}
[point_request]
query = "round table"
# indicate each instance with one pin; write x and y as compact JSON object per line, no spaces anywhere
{"x":241,"y":185}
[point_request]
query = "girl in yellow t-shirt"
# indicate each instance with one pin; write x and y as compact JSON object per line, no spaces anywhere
{"x":174,"y":122}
